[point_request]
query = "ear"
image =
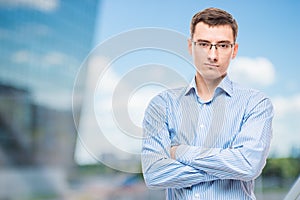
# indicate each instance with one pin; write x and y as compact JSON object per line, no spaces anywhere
{"x":235,"y":50}
{"x":190,"y":46}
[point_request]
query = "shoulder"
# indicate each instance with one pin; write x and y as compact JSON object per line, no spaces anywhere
{"x":169,"y":95}
{"x":247,"y":92}
{"x":160,"y":104}
{"x":252,"y":97}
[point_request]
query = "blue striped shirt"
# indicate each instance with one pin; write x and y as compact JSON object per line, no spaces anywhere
{"x":223,"y":143}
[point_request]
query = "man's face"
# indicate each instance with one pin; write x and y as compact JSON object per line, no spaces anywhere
{"x":211,"y":62}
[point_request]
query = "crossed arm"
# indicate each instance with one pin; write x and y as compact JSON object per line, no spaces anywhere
{"x":182,"y":166}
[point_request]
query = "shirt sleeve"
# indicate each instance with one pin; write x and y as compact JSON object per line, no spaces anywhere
{"x":246,"y":157}
{"x":159,"y":170}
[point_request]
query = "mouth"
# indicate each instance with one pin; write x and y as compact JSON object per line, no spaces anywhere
{"x":211,"y":65}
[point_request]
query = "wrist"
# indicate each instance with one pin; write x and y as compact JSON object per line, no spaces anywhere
{"x":173,"y":152}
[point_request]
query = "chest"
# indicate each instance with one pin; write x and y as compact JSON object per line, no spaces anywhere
{"x":213,"y":125}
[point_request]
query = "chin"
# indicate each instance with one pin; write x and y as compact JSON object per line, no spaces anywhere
{"x":211,"y":74}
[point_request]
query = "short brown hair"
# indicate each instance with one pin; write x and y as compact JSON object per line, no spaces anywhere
{"x":214,"y":17}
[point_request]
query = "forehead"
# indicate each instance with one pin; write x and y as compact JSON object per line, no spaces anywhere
{"x":213,"y":33}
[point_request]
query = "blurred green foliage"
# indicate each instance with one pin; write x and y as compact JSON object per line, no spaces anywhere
{"x":283,"y":168}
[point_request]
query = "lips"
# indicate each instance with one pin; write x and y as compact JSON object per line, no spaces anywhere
{"x":211,"y":65}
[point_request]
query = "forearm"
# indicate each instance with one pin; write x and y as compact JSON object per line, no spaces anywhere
{"x":163,"y":172}
{"x":237,"y":163}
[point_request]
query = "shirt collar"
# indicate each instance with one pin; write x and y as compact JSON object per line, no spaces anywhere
{"x":225,"y":85}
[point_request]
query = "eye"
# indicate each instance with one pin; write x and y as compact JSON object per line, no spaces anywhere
{"x":203,"y":44}
{"x":224,"y":45}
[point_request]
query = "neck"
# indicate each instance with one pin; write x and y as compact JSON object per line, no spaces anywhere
{"x":206,"y":87}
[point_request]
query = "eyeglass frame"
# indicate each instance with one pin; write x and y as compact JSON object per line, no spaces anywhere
{"x":211,"y":44}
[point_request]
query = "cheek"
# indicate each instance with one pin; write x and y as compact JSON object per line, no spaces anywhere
{"x":198,"y":62}
{"x":198,"y":57}
{"x":225,"y":64}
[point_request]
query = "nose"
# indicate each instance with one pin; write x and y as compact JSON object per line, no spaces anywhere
{"x":213,"y":54}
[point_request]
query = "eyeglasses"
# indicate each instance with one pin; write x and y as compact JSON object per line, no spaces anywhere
{"x":221,"y":47}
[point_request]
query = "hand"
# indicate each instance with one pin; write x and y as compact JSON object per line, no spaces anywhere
{"x":173,"y":152}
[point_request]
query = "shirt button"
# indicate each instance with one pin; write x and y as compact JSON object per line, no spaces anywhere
{"x":197,"y":195}
{"x":202,"y":126}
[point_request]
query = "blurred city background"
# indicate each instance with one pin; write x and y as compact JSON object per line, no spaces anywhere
{"x":43,"y":117}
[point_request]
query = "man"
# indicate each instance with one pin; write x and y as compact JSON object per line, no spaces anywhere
{"x":209,"y":140}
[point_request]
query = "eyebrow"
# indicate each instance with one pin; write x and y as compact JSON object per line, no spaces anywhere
{"x":218,"y":42}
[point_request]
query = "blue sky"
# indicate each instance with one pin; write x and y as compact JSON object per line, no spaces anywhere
{"x":43,"y":45}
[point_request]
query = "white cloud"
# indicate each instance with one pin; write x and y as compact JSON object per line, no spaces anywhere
{"x":252,"y":71}
{"x":101,"y":131}
{"x":52,"y":70}
{"x":57,"y":99}
{"x":286,"y":129}
{"x":22,"y":57}
{"x":139,"y":101}
{"x":49,"y":59}
{"x":55,"y":58}
{"x":287,"y":105}
{"x":33,"y":29}
{"x":95,"y":119}
{"x":42,"y":5}
{"x":25,"y":31}
{"x":102,"y":81}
